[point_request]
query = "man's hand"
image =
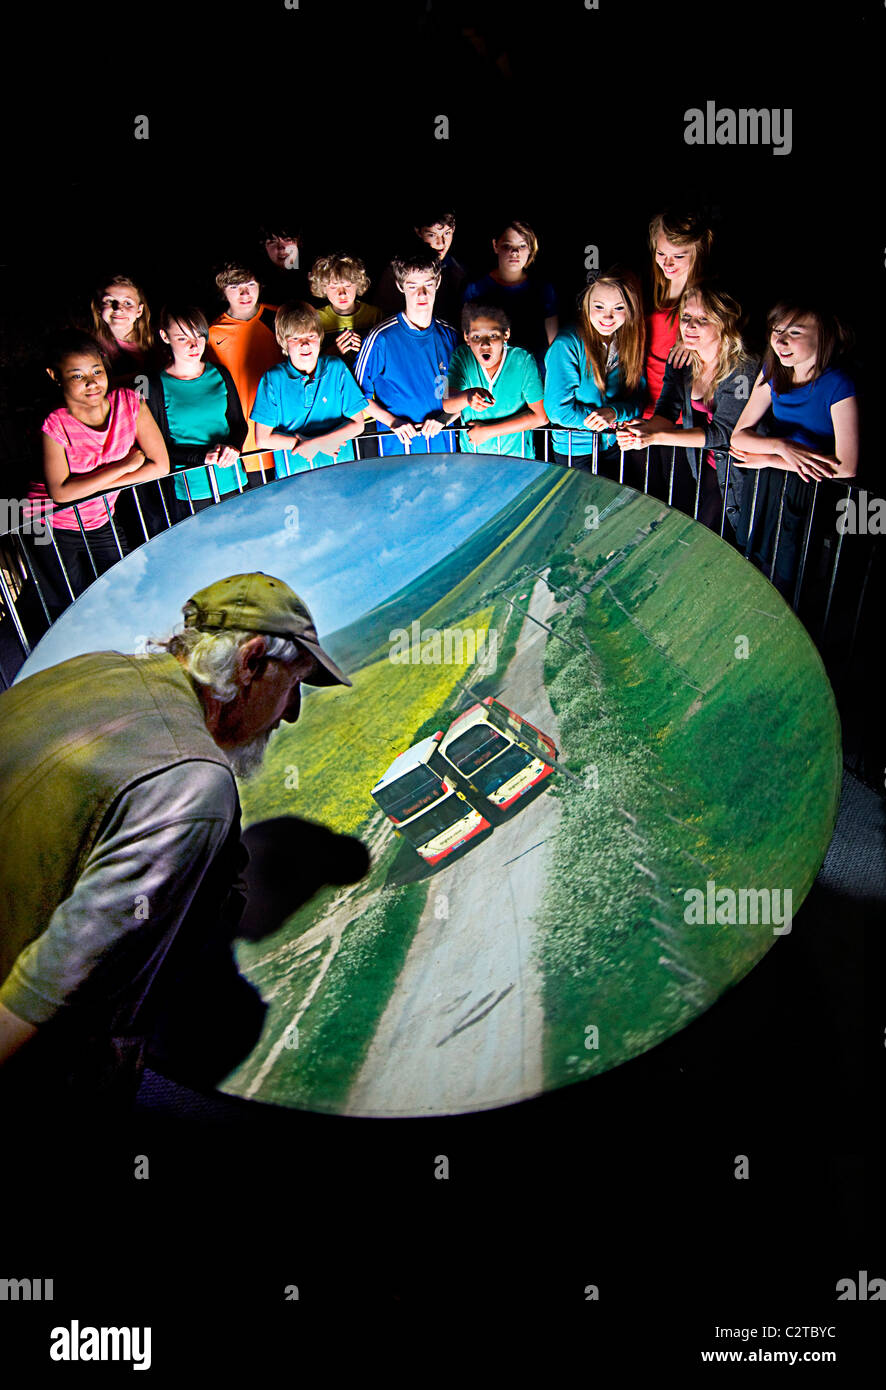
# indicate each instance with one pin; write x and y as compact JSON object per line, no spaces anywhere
{"x":431,"y":427}
{"x":478,"y":398}
{"x":14,"y":1032}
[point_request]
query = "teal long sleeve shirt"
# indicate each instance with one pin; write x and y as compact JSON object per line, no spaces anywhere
{"x":571,"y":393}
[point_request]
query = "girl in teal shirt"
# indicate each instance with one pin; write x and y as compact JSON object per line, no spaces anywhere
{"x":199,"y":413}
{"x":594,"y":372}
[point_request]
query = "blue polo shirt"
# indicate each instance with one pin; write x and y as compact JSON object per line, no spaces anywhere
{"x":405,"y":368}
{"x":290,"y":401}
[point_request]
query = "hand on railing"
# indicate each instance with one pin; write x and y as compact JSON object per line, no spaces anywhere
{"x":222,"y":456}
{"x":634,"y":434}
{"x":601,"y":419}
{"x":404,"y":429}
{"x":478,"y":434}
{"x":810,"y":464}
{"x":307,"y":448}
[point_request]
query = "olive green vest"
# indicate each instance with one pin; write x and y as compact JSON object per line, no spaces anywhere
{"x":72,"y":739}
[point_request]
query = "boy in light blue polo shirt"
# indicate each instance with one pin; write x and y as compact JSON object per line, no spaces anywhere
{"x":495,"y":388}
{"x":403,"y":363}
{"x":308,"y":406}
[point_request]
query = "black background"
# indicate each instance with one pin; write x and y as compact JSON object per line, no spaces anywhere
{"x":626,"y":1182}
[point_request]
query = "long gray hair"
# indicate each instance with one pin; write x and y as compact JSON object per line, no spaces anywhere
{"x":210,"y":658}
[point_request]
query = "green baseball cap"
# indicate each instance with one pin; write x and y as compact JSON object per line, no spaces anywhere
{"x":260,"y":603}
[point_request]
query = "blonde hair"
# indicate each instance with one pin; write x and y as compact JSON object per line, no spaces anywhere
{"x":296,"y":318}
{"x":328,"y":268}
{"x":630,"y":338}
{"x":725,"y":312}
{"x":142,"y":332}
{"x":680,"y":229}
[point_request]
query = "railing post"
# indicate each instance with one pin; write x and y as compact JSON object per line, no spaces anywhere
{"x":778,"y":529}
{"x":753,"y":516}
{"x":13,"y":613}
{"x":805,"y":546}
{"x":725,"y":496}
{"x":827,"y":611}
{"x":134,"y":487}
{"x":113,"y":527}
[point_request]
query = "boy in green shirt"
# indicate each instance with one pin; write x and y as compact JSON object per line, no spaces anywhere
{"x":495,"y":388}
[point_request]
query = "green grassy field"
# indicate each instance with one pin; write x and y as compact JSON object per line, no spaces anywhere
{"x":699,"y":755}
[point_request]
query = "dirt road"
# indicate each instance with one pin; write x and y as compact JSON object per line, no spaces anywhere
{"x":462,"y":1030}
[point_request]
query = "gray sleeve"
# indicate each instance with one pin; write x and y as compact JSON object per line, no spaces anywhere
{"x":730,"y":399}
{"x":141,"y":877}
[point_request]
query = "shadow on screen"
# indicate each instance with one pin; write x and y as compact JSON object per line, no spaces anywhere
{"x":213,"y":1017}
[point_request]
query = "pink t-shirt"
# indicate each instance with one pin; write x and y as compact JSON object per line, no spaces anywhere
{"x":699,"y":408}
{"x":87,"y":448}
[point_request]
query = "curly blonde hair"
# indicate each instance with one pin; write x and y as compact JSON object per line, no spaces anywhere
{"x":328,"y":268}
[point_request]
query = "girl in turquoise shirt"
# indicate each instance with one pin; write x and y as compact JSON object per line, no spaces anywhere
{"x":594,"y":372}
{"x":199,"y":413}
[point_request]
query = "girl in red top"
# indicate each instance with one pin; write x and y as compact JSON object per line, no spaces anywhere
{"x":680,"y":244}
{"x":96,"y":439}
{"x":121,"y":323}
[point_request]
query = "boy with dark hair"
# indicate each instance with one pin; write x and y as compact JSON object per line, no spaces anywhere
{"x":403,"y":362}
{"x":495,"y":388}
{"x":284,"y":277}
{"x":243,"y":340}
{"x":309,"y":406}
{"x":434,"y":226}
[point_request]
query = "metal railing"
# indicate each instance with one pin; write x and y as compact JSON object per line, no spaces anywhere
{"x":20,"y":563}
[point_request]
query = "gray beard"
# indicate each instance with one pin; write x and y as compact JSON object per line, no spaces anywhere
{"x":247,"y":758}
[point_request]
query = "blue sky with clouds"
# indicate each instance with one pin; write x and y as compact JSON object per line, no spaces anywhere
{"x":345,"y":538}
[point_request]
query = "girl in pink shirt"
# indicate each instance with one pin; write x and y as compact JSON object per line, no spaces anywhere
{"x":680,"y":244}
{"x":95,"y":439}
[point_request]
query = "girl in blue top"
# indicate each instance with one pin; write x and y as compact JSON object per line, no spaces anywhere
{"x":199,"y":413}
{"x":595,"y":371}
{"x":813,"y":436}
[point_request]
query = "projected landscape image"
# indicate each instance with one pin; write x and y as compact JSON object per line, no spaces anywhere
{"x":576,"y":715}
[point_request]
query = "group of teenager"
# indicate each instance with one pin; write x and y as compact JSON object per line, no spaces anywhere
{"x":273,"y":386}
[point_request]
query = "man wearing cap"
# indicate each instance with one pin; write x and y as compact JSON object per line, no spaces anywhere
{"x":120,"y":824}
